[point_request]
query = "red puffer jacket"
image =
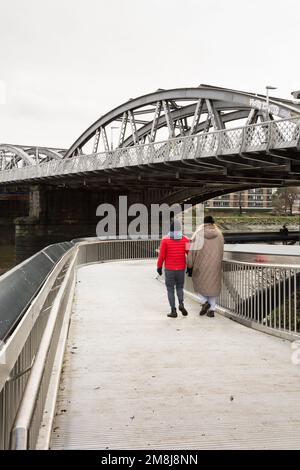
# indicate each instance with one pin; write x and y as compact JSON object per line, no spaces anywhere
{"x":172,"y":253}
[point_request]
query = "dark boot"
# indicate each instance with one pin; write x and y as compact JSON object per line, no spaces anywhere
{"x":183,"y":309}
{"x":173,"y":313}
{"x":204,"y":309}
{"x":210,"y":314}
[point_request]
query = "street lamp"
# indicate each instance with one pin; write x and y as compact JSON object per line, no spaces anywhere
{"x":268,"y":87}
{"x":111,"y":136}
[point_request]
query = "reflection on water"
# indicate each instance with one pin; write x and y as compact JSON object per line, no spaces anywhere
{"x":7,"y":257}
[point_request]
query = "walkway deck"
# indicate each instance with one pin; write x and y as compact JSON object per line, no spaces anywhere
{"x":135,"y":379}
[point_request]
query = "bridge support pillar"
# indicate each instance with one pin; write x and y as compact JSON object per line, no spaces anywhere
{"x":60,"y":213}
{"x":29,"y":235}
{"x":56,"y":215}
{"x":13,"y":203}
{"x":37,"y":203}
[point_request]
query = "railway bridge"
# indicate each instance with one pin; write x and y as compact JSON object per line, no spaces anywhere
{"x":173,"y":146}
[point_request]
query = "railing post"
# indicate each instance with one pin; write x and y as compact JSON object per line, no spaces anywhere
{"x":219,"y":135}
{"x":243,"y":139}
{"x":270,"y":135}
{"x":298,"y":142}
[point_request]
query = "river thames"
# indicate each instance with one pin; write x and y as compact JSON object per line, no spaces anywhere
{"x":7,"y":257}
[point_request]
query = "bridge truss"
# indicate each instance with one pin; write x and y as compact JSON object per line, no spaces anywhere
{"x":183,"y":137}
{"x":159,"y":116}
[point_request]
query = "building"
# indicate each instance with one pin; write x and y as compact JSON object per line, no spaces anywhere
{"x":258,"y":199}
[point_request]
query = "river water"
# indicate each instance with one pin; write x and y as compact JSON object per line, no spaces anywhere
{"x":7,"y":248}
{"x":7,"y":257}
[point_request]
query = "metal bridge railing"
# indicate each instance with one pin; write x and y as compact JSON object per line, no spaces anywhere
{"x":278,"y":134}
{"x":20,"y":348}
{"x":28,"y":354}
{"x":264,"y":296}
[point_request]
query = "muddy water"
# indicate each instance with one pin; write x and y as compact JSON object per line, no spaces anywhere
{"x":7,"y":257}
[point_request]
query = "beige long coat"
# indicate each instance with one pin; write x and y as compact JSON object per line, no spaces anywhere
{"x":205,"y":257}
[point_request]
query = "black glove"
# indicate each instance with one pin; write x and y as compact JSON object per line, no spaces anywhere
{"x":189,"y":272}
{"x":159,"y":270}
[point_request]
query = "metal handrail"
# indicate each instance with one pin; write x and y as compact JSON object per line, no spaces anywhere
{"x":249,"y":138}
{"x":18,"y":352}
{"x":263,"y":296}
{"x":263,"y":265}
{"x":23,"y":346}
{"x":24,"y":434}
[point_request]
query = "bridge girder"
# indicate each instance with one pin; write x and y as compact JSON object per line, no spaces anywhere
{"x":167,"y":109}
{"x":13,"y":155}
{"x":189,"y":112}
{"x":16,"y":156}
{"x":41,"y":152}
{"x":208,"y":108}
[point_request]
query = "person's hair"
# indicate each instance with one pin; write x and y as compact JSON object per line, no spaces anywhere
{"x":208,"y":219}
{"x":175,"y":225}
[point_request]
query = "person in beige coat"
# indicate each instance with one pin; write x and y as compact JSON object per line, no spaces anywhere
{"x":204,"y":264}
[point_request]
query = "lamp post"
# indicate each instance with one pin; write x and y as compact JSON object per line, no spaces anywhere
{"x":268,"y":87}
{"x":111,"y":136}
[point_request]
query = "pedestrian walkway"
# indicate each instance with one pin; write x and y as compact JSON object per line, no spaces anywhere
{"x":135,"y":379}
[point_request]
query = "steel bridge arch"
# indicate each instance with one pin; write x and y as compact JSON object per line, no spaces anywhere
{"x":19,"y":153}
{"x":219,"y":105}
{"x":13,"y":156}
{"x":51,"y":154}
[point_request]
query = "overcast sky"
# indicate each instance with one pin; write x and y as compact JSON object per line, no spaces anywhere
{"x":66,"y":62}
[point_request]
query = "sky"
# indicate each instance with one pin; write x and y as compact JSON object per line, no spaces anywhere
{"x":64,"y":63}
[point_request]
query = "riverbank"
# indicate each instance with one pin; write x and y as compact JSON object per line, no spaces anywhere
{"x":227,"y":223}
{"x":261,"y":223}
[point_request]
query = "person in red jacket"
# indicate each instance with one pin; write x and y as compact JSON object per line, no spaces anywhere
{"x":172,"y":254}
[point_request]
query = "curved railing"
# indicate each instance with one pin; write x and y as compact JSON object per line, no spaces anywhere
{"x":39,"y":324}
{"x":278,"y":134}
{"x":264,"y":296}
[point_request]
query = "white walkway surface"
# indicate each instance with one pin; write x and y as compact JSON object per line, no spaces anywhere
{"x":135,"y":379}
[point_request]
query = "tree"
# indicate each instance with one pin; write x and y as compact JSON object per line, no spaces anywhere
{"x":284,"y":198}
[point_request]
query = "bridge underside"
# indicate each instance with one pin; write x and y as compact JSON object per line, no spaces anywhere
{"x":180,"y":181}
